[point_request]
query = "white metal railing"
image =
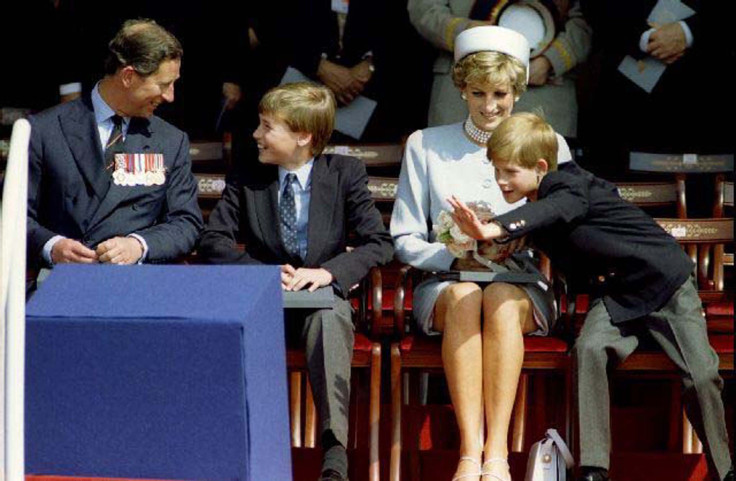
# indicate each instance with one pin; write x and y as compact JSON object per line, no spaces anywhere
{"x":12,"y":304}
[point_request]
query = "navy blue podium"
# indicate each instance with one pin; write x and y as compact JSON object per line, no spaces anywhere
{"x":165,"y":372}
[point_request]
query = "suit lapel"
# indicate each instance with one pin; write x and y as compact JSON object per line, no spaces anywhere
{"x":322,"y":204}
{"x":266,"y":206}
{"x":138,"y":140}
{"x":80,"y":129}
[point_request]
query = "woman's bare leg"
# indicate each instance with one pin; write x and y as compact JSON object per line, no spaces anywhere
{"x":457,"y":315}
{"x":508,"y":315}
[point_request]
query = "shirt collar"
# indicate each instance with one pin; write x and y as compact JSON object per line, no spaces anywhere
{"x":103,"y":112}
{"x":303,"y":174}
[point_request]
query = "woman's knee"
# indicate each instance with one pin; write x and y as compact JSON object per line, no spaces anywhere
{"x":458,"y":303}
{"x":506,"y":304}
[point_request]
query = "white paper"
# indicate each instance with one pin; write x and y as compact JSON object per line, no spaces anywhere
{"x":668,"y":11}
{"x":645,"y":72}
{"x":350,"y":119}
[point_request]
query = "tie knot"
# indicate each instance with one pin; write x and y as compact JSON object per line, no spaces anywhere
{"x":290,"y":179}
{"x":117,"y":120}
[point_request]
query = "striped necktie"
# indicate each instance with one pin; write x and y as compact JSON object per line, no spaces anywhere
{"x":115,"y":142}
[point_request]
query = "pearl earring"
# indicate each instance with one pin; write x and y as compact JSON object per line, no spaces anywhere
{"x":463,"y":96}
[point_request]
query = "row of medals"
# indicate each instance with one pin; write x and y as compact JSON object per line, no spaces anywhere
{"x":149,"y":178}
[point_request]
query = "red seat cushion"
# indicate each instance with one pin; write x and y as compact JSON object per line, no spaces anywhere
{"x":531,"y":344}
{"x":544,"y":344}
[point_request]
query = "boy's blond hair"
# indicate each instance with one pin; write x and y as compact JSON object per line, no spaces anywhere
{"x":304,"y":107}
{"x":523,"y":139}
{"x":490,"y":68}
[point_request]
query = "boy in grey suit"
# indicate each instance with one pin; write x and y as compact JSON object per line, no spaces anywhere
{"x":639,"y":277}
{"x":109,"y":181}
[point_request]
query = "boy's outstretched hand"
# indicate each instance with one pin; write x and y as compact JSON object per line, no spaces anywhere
{"x":470,"y":224}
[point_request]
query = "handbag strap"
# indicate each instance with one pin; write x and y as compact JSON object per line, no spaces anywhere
{"x":564,"y":450}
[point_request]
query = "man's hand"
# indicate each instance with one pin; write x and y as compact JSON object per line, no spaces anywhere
{"x":363,"y":71}
{"x":539,"y":70}
{"x":340,"y":80}
{"x":296,"y":279}
{"x":232,"y":93}
{"x":120,"y":250}
{"x":72,"y":251}
{"x":667,"y":43}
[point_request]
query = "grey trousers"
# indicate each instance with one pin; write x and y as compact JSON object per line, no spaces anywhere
{"x":680,"y":329}
{"x":327,"y":336}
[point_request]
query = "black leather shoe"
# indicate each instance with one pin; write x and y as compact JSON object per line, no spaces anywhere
{"x":332,"y":475}
{"x":593,"y":474}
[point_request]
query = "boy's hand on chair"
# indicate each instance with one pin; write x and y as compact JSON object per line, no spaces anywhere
{"x":296,"y":279}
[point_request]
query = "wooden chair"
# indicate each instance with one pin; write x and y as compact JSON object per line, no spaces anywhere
{"x":416,"y":352}
{"x":366,"y":357}
{"x":209,"y":156}
{"x":701,"y":239}
{"x":383,"y":159}
{"x":656,"y":196}
{"x":209,"y":191}
{"x":680,"y":163}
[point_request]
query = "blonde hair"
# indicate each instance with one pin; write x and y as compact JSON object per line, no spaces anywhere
{"x":523,"y":139}
{"x":304,"y":107}
{"x":490,"y":68}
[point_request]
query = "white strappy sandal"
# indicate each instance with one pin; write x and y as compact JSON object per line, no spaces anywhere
{"x":475,"y":461}
{"x":495,"y":477}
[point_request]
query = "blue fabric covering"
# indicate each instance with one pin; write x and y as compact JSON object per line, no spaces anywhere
{"x":173,"y":372}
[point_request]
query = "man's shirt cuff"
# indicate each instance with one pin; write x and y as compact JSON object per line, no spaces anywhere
{"x":48,"y":246}
{"x":145,"y":247}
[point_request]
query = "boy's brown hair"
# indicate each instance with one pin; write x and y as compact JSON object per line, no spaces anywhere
{"x":304,"y":107}
{"x":523,"y":139}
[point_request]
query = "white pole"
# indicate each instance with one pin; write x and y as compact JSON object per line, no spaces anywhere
{"x":13,"y":255}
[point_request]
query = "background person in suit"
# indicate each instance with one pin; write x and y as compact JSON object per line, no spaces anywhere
{"x":296,"y":211}
{"x":90,"y":197}
{"x":672,"y":117}
{"x":640,"y":280}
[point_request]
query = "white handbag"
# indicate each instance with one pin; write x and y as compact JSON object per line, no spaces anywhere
{"x":549,"y":459}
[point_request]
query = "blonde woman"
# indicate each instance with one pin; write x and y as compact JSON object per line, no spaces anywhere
{"x":482,"y":325}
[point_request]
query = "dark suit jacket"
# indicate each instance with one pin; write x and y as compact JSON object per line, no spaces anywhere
{"x":656,"y":121}
{"x":603,"y":244}
{"x":340,"y":204}
{"x":70,"y":192}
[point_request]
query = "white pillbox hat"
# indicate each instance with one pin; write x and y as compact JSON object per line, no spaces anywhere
{"x":493,"y":39}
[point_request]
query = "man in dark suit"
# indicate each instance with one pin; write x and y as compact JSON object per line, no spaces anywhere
{"x":109,"y":181}
{"x":640,"y":280}
{"x":297,"y":211}
{"x":675,"y":117}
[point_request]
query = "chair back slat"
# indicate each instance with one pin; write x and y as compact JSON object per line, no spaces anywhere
{"x":682,"y":163}
{"x":373,"y":155}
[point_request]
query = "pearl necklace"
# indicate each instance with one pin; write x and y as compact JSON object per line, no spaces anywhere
{"x":475,"y":134}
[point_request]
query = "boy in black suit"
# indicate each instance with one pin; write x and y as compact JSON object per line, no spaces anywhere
{"x":296,"y":210}
{"x":639,"y":277}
